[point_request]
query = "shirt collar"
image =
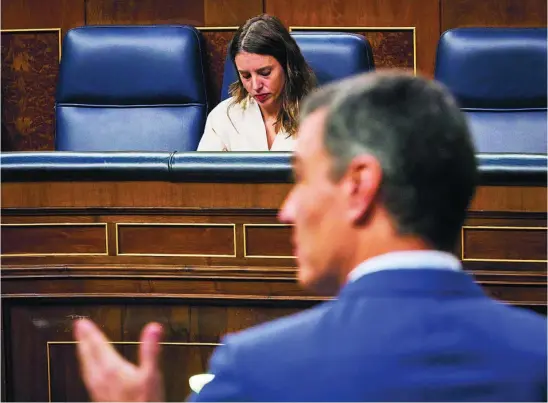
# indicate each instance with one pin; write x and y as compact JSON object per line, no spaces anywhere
{"x":417,"y":259}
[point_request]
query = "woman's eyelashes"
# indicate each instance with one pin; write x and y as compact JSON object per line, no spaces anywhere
{"x":261,"y":73}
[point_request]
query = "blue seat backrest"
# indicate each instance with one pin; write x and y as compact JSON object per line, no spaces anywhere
{"x":332,"y":56}
{"x":131,"y":88}
{"x":498,"y":76}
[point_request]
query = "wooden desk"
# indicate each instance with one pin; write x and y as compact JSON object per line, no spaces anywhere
{"x":201,"y":258}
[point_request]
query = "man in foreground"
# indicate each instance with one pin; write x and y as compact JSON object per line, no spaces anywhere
{"x":385,"y":170}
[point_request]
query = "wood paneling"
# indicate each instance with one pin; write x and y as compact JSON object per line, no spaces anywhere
{"x":248,"y":286}
{"x":504,"y":243}
{"x":187,"y":283}
{"x":242,"y":205}
{"x":423,"y":15}
{"x":196,"y":299}
{"x":230,"y":12}
{"x":492,"y":13}
{"x":216,"y":41}
{"x":135,"y":12}
{"x":30,"y":65}
{"x":266,"y":240}
{"x":519,"y":294}
{"x":48,"y":329}
{"x":218,"y":195}
{"x":506,"y":249}
{"x":32,"y":14}
{"x":177,"y":239}
{"x":30,"y":68}
{"x":4,"y":358}
{"x":53,"y":239}
{"x":143,"y":194}
{"x":510,"y":199}
{"x":251,"y":208}
{"x":391,"y":49}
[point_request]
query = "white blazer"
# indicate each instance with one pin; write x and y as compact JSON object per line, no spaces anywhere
{"x":240,"y":127}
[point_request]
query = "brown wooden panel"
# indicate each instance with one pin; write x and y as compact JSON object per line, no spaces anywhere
{"x":506,"y":218}
{"x":391,"y":48}
{"x":491,"y":219}
{"x":40,"y":324}
{"x":32,"y":14}
{"x":230,"y":12}
{"x":531,"y":199}
{"x":179,"y":261}
{"x":50,"y":322}
{"x":50,"y":239}
{"x":492,"y":13}
{"x":520,"y":287}
{"x":268,"y":241}
{"x":144,"y":194}
{"x":125,"y":202}
{"x":504,"y":243}
{"x":216,"y":40}
{"x":138,"y":271}
{"x":133,"y":12}
{"x":64,"y":381}
{"x":523,"y":295}
{"x":217,"y":288}
{"x":48,"y":329}
{"x":219,"y":195}
{"x":210,"y":323}
{"x":196,"y":217}
{"x":176,"y":239}
{"x":30,"y":66}
{"x":423,"y":15}
{"x":4,"y":358}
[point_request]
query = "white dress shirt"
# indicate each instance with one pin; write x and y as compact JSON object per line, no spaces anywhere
{"x":240,"y":127}
{"x":416,"y":259}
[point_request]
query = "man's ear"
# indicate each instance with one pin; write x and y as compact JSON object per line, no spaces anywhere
{"x":363,"y":180}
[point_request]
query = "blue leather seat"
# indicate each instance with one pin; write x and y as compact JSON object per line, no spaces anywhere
{"x":498,"y":76}
{"x":131,"y":88}
{"x":332,"y":56}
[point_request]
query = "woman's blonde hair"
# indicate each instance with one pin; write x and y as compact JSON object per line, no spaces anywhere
{"x":266,"y":35}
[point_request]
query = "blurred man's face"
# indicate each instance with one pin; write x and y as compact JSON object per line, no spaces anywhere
{"x":315,"y":206}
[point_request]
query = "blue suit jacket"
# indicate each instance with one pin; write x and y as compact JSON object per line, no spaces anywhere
{"x":393,"y":335}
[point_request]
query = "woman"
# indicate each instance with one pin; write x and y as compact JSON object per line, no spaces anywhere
{"x":273,"y":77}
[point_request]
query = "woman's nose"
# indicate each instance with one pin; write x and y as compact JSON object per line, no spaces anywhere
{"x":257,"y":83}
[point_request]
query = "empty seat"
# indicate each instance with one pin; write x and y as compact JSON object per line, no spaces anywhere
{"x":498,"y":76}
{"x":131,"y":88}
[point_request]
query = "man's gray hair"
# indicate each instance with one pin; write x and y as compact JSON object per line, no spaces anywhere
{"x":420,"y":137}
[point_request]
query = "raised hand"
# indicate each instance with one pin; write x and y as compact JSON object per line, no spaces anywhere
{"x":108,"y":376}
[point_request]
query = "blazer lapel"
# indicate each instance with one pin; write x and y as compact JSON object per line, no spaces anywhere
{"x":254,"y":127}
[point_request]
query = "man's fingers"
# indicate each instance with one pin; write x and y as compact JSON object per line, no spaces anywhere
{"x":85,"y":332}
{"x":149,"y":349}
{"x":94,"y":349}
{"x":89,"y":332}
{"x":85,"y":351}
{"x":86,"y":329}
